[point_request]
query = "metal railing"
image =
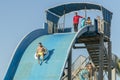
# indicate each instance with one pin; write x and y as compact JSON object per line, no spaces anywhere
{"x":77,"y":66}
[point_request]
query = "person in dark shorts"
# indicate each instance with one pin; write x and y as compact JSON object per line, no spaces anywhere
{"x":76,"y":21}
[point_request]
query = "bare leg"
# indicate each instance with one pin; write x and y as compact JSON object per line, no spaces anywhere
{"x":38,"y":59}
{"x":42,"y":58}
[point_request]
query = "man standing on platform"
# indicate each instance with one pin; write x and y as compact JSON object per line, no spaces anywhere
{"x":76,"y":21}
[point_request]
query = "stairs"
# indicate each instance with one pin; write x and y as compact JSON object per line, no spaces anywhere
{"x":92,"y":44}
{"x":94,"y":53}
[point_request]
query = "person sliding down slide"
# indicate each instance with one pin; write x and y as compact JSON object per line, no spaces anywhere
{"x":40,"y":53}
{"x":43,"y":55}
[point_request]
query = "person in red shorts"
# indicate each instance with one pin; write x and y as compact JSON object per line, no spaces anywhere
{"x":76,"y":21}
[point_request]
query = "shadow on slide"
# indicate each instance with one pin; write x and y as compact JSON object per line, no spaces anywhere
{"x":49,"y":56}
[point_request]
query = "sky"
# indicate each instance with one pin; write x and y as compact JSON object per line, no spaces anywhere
{"x":20,"y":17}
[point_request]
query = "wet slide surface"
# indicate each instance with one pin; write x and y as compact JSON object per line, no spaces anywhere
{"x":51,"y":69}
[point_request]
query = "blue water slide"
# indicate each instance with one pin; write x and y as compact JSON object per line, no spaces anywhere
{"x":24,"y":66}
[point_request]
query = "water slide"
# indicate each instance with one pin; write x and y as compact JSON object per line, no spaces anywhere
{"x":23,"y":65}
{"x":57,"y":45}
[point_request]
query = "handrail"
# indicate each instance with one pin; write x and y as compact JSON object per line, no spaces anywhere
{"x":77,"y":71}
{"x":79,"y":68}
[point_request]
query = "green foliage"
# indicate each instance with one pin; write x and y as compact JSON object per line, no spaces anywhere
{"x":118,"y":66}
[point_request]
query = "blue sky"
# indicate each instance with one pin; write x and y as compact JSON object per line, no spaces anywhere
{"x":18,"y":18}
